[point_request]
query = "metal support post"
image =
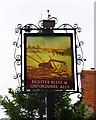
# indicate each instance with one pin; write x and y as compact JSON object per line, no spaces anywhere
{"x":50,"y":105}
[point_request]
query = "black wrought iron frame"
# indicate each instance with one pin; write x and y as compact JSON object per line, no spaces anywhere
{"x":28,"y":28}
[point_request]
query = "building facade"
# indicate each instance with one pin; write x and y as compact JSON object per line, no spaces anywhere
{"x":89,"y":88}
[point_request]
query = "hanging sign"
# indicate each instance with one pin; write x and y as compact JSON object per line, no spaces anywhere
{"x":49,"y":61}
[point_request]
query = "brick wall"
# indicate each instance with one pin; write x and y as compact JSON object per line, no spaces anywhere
{"x":89,"y":87}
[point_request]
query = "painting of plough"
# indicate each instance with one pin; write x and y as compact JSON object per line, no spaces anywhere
{"x":48,"y":58}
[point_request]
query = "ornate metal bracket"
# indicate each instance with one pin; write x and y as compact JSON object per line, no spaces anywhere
{"x":17,"y":62}
{"x":30,"y":28}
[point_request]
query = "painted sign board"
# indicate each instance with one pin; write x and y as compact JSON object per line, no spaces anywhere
{"x":49,"y":61}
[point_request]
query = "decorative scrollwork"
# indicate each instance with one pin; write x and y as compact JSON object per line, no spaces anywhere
{"x":17,"y":55}
{"x":19,"y":26}
{"x":80,"y":44}
{"x":17,"y":62}
{"x":75,"y":26}
{"x":79,"y":29}
{"x":18,"y":75}
{"x":40,"y":24}
{"x":26,"y":28}
{"x":54,"y":18}
{"x":68,"y":26}
{"x":80,"y":95}
{"x":18,"y":59}
{"x":18,"y":90}
{"x":16,"y":44}
{"x":79,"y":59}
{"x":17,"y":30}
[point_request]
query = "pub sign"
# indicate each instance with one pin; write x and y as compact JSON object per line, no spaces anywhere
{"x":49,"y":61}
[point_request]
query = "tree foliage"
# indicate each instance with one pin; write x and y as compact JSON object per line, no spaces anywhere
{"x":23,"y":106}
{"x":28,"y":106}
{"x":67,"y":111}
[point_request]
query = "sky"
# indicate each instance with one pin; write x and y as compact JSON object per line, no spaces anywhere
{"x":14,"y":12}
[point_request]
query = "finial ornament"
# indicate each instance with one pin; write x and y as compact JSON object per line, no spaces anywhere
{"x":48,"y":14}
